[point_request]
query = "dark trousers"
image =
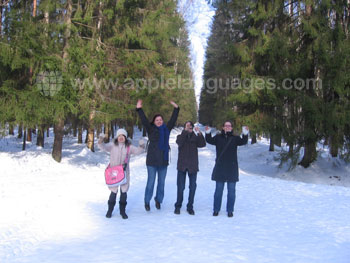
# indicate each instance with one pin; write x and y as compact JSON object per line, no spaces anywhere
{"x":181,"y":181}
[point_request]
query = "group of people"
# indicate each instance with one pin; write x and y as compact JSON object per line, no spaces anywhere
{"x":157,"y":161}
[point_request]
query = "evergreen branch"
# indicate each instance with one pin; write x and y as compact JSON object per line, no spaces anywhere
{"x":4,"y":3}
{"x":83,"y":25}
{"x":116,"y":48}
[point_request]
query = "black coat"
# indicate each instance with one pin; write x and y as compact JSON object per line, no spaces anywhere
{"x":154,"y":154}
{"x":188,"y":151}
{"x":226,"y":168}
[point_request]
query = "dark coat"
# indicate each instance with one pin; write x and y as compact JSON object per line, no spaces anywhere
{"x":226,"y":168}
{"x":188,"y":151}
{"x":154,"y":154}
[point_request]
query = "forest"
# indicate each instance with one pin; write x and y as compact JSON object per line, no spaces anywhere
{"x":283,"y":69}
{"x":280,"y":67}
{"x":81,"y":66}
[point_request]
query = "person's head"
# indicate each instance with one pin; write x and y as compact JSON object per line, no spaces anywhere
{"x":157,"y":120}
{"x":227,"y":127}
{"x":188,"y":126}
{"x":122,"y":136}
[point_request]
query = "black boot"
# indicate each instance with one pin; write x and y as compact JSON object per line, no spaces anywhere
{"x":111,"y":204}
{"x":122,"y":205}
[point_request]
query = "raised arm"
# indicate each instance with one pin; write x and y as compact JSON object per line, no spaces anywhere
{"x":173,"y":119}
{"x":144,"y":120}
{"x":200,"y":140}
{"x":107,"y":147}
{"x":138,"y":150}
{"x":244,"y":139}
{"x":208,"y":137}
{"x":181,"y":139}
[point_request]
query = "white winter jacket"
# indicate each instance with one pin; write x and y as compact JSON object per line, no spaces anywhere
{"x":117,"y":157}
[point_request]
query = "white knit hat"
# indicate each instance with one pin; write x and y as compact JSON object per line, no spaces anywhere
{"x":122,"y":132}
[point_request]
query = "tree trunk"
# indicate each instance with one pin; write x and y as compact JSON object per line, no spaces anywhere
{"x":11,"y":131}
{"x":253,"y":138}
{"x":91,"y":132}
{"x":34,"y":7}
{"x":0,"y":20}
{"x":278,"y":140}
{"x":310,"y":154}
{"x":75,"y":127}
{"x":29,"y":135}
{"x":58,"y":140}
{"x":334,"y":145}
{"x":272,"y":145}
{"x":291,"y":149}
{"x":48,"y":132}
{"x":130,"y":129}
{"x":24,"y":140}
{"x":40,"y":137}
{"x":80,"y":134}
{"x":107,"y":131}
{"x":99,"y":130}
{"x":144,"y":132}
{"x":20,"y":131}
{"x":112,"y":129}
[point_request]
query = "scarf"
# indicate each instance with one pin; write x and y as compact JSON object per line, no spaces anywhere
{"x":163,"y":142}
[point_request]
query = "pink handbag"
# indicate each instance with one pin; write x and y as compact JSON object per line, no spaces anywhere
{"x":116,"y":175}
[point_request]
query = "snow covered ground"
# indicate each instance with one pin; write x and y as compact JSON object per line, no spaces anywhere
{"x":55,"y":212}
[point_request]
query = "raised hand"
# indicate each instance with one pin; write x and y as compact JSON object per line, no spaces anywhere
{"x":196,"y":128}
{"x":245,"y":130}
{"x":174,"y":104}
{"x":139,"y":104}
{"x":101,"y":137}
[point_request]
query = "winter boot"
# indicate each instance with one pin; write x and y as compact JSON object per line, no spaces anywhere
{"x":111,"y":204}
{"x":122,"y":205}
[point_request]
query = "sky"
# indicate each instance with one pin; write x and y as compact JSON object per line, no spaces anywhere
{"x":198,"y":15}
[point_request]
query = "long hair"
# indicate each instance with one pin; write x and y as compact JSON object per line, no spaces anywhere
{"x":155,"y":116}
{"x":127,"y":142}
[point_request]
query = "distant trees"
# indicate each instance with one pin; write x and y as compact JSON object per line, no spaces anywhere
{"x":83,"y":64}
{"x":284,"y":71}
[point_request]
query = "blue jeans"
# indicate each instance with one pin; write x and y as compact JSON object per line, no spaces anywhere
{"x":231,"y":196}
{"x":181,"y":181}
{"x":152,"y":171}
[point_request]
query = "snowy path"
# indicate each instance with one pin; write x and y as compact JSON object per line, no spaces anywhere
{"x":54,"y":212}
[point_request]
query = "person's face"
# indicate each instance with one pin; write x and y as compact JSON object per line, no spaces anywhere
{"x":158,"y":121}
{"x":188,"y":127}
{"x":121,"y":139}
{"x":227,"y":127}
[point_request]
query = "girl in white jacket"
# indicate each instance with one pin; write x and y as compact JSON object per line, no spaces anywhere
{"x":118,"y":151}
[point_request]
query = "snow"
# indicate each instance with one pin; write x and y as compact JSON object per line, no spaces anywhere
{"x":55,"y":212}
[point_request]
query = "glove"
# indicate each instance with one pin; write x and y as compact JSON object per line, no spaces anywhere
{"x":142,"y":143}
{"x":245,"y":130}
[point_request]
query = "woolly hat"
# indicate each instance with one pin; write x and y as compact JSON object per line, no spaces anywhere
{"x":122,"y":132}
